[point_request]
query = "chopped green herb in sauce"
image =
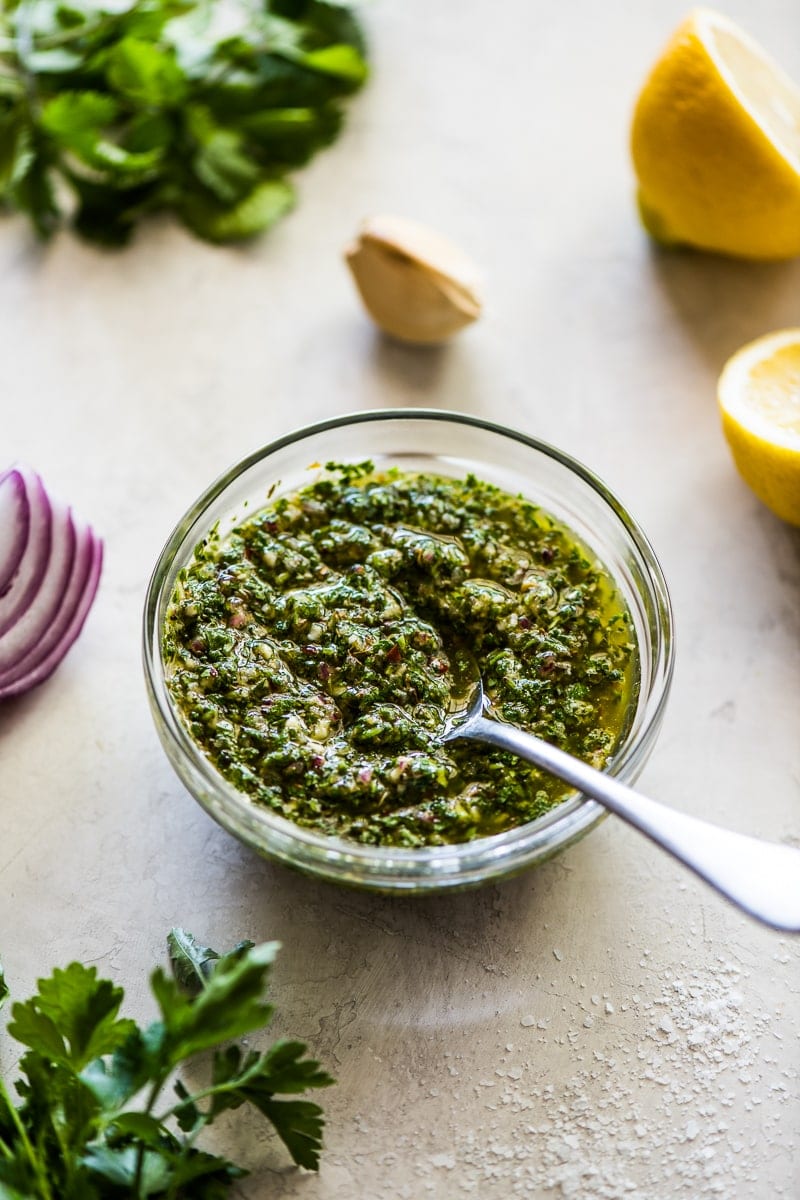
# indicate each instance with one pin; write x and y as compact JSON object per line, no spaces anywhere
{"x":310,"y":650}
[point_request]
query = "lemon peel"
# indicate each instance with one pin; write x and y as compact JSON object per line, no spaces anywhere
{"x":715,"y":142}
{"x":759,"y":401}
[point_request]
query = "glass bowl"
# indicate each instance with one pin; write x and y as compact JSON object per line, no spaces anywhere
{"x":449,"y":444}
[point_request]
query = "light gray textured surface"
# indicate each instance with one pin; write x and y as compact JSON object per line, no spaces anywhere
{"x":604,"y":1026}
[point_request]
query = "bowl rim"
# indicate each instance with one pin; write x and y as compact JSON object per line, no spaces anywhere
{"x":577,"y":813}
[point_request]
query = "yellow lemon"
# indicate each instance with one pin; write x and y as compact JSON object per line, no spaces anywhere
{"x":759,"y":398}
{"x":716,"y":144}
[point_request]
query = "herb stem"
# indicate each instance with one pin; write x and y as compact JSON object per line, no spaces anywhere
{"x":204,"y":1094}
{"x":158,"y":1083}
{"x":188,"y":1142}
{"x":38,"y":1169}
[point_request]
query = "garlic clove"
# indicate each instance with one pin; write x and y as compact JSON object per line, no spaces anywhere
{"x":416,"y":285}
{"x":426,"y":247}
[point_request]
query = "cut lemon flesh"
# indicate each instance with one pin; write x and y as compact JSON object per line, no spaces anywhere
{"x":716,"y":144}
{"x":759,"y":399}
{"x":770,"y":97}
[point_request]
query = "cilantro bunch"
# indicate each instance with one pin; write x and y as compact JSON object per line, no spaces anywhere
{"x":112,"y":109}
{"x":93,"y":1122}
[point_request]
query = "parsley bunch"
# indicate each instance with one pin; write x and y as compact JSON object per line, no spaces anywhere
{"x":126,"y":107}
{"x":93,"y":1124}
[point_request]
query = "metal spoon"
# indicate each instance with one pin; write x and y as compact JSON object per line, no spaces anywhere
{"x":760,"y":877}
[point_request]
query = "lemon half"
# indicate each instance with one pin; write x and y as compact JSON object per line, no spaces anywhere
{"x":759,"y":399}
{"x":716,"y":144}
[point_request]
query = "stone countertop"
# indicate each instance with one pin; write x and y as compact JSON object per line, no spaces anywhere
{"x":604,"y":1025}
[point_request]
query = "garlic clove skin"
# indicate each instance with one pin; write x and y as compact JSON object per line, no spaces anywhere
{"x":417,"y":286}
{"x":426,"y":247}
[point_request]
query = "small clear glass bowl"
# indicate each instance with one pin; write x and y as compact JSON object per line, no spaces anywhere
{"x":447,"y":444}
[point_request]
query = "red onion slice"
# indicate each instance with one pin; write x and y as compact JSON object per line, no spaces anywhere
{"x":36,"y":555}
{"x":52,"y":587}
{"x":27,"y":634}
{"x":45,"y":667}
{"x":15,"y":519}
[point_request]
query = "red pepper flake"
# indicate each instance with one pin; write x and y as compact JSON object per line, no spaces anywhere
{"x":394,"y":655}
{"x":237,"y":620}
{"x":365,"y":774}
{"x":524,"y":623}
{"x":197,"y":645}
{"x":324,"y":672}
{"x":317,"y":760}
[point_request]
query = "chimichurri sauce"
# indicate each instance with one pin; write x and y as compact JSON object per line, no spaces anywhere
{"x":310,"y":653}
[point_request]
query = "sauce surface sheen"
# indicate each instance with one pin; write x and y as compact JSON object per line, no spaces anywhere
{"x":312,"y":653}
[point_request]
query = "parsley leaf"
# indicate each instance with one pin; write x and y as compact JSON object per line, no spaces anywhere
{"x":257,"y":1078}
{"x":215,"y":222}
{"x":93,"y":1121}
{"x":110,"y":111}
{"x":145,"y":74}
{"x":192,"y":964}
{"x":73,"y":1017}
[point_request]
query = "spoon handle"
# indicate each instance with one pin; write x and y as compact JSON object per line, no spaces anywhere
{"x":762,"y":878}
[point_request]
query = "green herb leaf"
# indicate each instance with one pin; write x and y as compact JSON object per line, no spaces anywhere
{"x":72,"y":1135}
{"x":256,"y":1079}
{"x":124,"y":1168}
{"x":7,"y":1192}
{"x":107,"y":214}
{"x":76,"y":121}
{"x":283,"y":1069}
{"x":33,"y":193}
{"x":187,"y":1114}
{"x":220,"y":161}
{"x":115,"y":1080}
{"x":216,"y":223}
{"x":145,"y":73}
{"x":16,"y":152}
{"x":155,"y":97}
{"x":72,"y":114}
{"x":230,"y":1005}
{"x":73,"y":1017}
{"x":298,"y":1124}
{"x":4,"y":993}
{"x":342,"y":62}
{"x":291,"y":136}
{"x":192,"y":964}
{"x":33,"y":1028}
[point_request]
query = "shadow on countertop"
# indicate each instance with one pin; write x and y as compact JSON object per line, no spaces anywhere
{"x":722,"y":303}
{"x":418,"y":966}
